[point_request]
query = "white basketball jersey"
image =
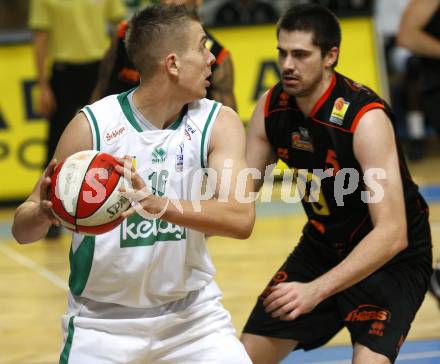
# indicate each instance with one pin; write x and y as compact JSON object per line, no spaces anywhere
{"x":143,"y":262}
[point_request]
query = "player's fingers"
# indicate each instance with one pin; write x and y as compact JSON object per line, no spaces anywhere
{"x":128,"y":213}
{"x":127,"y":162}
{"x":121,"y":169}
{"x":121,"y":161}
{"x":134,"y":194}
{"x":283,"y":310}
{"x":46,"y":182}
{"x":275,"y":302}
{"x":46,"y":204}
{"x":273,"y":295}
{"x":275,"y":305}
{"x":127,"y":193}
{"x":131,"y":176}
{"x":292,"y":315}
{"x":137,"y":181}
{"x":50,"y":168}
{"x":281,"y":286}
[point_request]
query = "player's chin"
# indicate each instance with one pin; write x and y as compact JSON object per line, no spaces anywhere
{"x":292,"y":91}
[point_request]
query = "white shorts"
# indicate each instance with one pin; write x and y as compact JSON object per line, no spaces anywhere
{"x":201,"y":333}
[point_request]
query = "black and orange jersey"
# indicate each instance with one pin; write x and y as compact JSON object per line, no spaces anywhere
{"x":219,"y":53}
{"x":124,"y":75}
{"x":319,"y":149}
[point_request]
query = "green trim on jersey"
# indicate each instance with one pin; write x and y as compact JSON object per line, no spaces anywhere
{"x":95,"y":126}
{"x":179,"y":119}
{"x":81,"y":264}
{"x":64,"y":357}
{"x":205,"y":130}
{"x":128,"y":112}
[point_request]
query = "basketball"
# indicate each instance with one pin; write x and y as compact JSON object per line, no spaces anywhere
{"x":85,"y":193}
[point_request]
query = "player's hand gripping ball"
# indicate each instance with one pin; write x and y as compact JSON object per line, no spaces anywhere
{"x":85,"y":193}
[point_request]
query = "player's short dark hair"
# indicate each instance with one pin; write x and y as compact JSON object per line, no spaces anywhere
{"x":316,"y":19}
{"x":154,"y":30}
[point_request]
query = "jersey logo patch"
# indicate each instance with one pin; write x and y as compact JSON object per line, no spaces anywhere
{"x":189,"y":131}
{"x":137,"y":231}
{"x":302,"y":140}
{"x":179,"y":157}
{"x":111,"y":135}
{"x":159,"y":155}
{"x":368,"y":312}
{"x":284,"y":99}
{"x":339,"y":110}
{"x":283,"y":153}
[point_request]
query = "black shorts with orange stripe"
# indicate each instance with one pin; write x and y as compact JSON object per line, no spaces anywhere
{"x":377,"y":311}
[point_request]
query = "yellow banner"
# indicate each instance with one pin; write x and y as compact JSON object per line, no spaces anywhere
{"x":22,"y":132}
{"x":253,"y":48}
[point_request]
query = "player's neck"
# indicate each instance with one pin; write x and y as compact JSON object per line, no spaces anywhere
{"x":308,"y":102}
{"x":157,"y":106}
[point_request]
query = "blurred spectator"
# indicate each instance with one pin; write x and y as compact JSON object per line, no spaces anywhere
{"x":403,"y":74}
{"x":73,"y":35}
{"x":420,"y":33}
{"x":117,"y":73}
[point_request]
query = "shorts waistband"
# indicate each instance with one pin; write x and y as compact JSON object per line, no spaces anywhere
{"x":79,"y":306}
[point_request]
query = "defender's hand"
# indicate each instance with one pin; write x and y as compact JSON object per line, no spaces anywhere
{"x":290,"y":300}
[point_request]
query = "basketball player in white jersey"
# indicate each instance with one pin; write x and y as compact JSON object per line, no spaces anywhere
{"x":144,"y":292}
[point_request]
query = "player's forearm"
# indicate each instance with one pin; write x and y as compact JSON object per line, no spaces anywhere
{"x":41,"y":43}
{"x":376,"y":249}
{"x":29,"y":225}
{"x":420,"y":43}
{"x":211,"y":217}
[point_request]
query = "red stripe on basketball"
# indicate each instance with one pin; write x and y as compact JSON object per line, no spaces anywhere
{"x":99,"y":229}
{"x":58,"y":206}
{"x":99,"y":182}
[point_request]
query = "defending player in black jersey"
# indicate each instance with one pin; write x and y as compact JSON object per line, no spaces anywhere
{"x":364,"y":259}
{"x":118,"y":74}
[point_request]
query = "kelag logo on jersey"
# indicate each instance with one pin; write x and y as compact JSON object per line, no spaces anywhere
{"x":137,"y":231}
{"x":339,"y":110}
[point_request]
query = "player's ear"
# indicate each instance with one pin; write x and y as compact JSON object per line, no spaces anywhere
{"x":172,"y":63}
{"x":331,"y":57}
